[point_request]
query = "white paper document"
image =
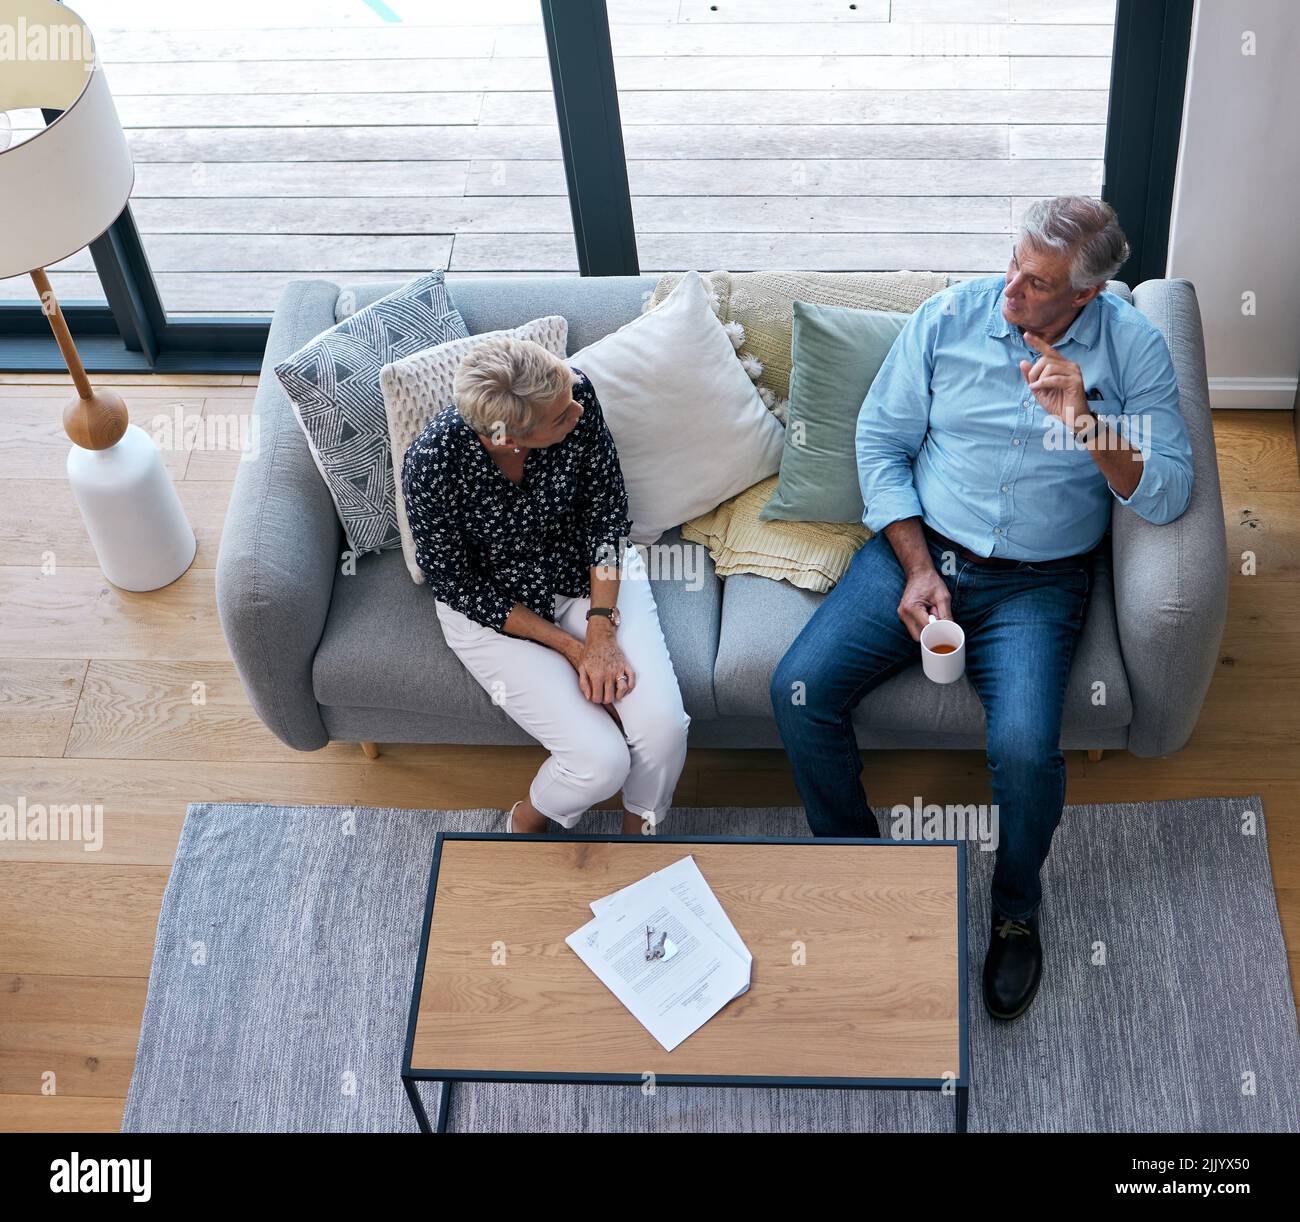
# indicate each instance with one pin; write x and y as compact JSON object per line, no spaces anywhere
{"x":704,"y":965}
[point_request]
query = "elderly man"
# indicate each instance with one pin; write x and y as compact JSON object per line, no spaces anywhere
{"x":1006,"y":417}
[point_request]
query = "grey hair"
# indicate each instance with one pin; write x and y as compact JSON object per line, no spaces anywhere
{"x":504,"y":384}
{"x":1086,"y":229}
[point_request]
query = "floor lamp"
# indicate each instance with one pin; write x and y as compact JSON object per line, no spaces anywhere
{"x":61,"y":189}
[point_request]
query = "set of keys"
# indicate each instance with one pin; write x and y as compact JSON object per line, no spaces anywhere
{"x":655,"y":948}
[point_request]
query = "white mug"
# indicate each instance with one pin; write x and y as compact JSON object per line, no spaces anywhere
{"x":943,"y":667}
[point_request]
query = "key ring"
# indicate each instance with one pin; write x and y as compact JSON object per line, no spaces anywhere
{"x":654,"y":949}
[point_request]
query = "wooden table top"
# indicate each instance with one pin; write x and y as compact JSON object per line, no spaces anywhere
{"x":855,"y":971}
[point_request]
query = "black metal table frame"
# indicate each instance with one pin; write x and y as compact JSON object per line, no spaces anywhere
{"x":958,"y":1086}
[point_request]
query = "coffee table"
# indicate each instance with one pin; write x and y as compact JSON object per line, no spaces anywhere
{"x":859,"y":974}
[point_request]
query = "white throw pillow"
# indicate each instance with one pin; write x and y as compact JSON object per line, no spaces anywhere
{"x":417,"y":388}
{"x":690,"y":428}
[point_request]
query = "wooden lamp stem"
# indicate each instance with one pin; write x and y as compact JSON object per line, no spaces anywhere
{"x":96,"y":419}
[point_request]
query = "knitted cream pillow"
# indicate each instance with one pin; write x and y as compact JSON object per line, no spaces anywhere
{"x":418,"y":388}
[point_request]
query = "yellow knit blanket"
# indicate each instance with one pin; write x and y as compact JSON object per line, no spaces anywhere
{"x":810,"y":555}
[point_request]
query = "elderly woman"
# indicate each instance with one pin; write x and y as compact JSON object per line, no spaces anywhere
{"x":519,"y":514}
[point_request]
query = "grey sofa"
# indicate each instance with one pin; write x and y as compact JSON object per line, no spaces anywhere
{"x":326,"y":656}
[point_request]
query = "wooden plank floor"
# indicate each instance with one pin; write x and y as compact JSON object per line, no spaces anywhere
{"x":799,"y":133}
{"x":131,"y":700}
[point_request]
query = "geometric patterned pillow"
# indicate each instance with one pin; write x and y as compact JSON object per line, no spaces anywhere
{"x":333,"y":384}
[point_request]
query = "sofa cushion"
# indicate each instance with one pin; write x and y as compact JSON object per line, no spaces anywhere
{"x":688,"y":594}
{"x":333,"y":384}
{"x":383,"y":647}
{"x":689,"y":425}
{"x":761,"y":618}
{"x":837,"y":354}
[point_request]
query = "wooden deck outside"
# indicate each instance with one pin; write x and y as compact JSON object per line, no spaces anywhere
{"x":759,"y":133}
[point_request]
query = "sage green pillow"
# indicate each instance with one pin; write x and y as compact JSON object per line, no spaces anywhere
{"x":836,"y":354}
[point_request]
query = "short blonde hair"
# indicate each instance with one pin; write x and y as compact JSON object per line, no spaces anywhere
{"x":505,"y":384}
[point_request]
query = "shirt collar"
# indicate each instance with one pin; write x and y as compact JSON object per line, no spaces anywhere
{"x":487,"y":469}
{"x":470,"y":443}
{"x":1084,"y":329}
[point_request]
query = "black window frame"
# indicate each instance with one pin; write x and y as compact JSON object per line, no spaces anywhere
{"x":131,"y":330}
{"x":1144,"y":122}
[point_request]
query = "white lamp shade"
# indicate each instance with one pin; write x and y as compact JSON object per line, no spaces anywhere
{"x":63,"y":187}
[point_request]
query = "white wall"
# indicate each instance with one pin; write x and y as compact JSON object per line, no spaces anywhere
{"x":1236,"y":218}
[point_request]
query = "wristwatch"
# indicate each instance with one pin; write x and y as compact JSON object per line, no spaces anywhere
{"x":610,"y":613}
{"x":1084,"y":423}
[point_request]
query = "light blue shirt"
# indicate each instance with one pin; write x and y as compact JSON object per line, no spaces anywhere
{"x":950,"y":431}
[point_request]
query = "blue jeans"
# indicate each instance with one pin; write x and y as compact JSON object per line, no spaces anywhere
{"x":1021,"y":627}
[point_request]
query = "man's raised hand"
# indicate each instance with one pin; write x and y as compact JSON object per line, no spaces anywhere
{"x":1057,"y":384}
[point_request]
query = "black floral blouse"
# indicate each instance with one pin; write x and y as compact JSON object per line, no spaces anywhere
{"x":485,"y":543}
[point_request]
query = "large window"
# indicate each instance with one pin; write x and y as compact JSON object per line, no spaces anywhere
{"x":353,"y":141}
{"x":880,"y":135}
{"x":369,"y":140}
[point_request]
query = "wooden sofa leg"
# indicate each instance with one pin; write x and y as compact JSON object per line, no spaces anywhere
{"x":371,"y":750}
{"x":1094,"y":754}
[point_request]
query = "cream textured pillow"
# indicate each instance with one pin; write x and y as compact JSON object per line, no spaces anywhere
{"x":690,"y":428}
{"x":810,"y":555}
{"x":418,"y":388}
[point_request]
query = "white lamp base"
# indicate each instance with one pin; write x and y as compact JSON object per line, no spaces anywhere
{"x":133,"y":516}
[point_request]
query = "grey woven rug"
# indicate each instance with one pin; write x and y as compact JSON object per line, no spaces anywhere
{"x":287,"y":941}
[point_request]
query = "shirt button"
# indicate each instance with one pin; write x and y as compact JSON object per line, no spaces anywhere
{"x":997,"y":530}
{"x":1005,"y":487}
{"x":1016,"y":441}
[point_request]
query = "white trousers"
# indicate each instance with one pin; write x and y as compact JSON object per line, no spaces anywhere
{"x":591,"y":759}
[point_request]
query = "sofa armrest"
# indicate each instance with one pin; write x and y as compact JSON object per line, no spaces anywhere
{"x":281,"y":541}
{"x":1171,"y":581}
